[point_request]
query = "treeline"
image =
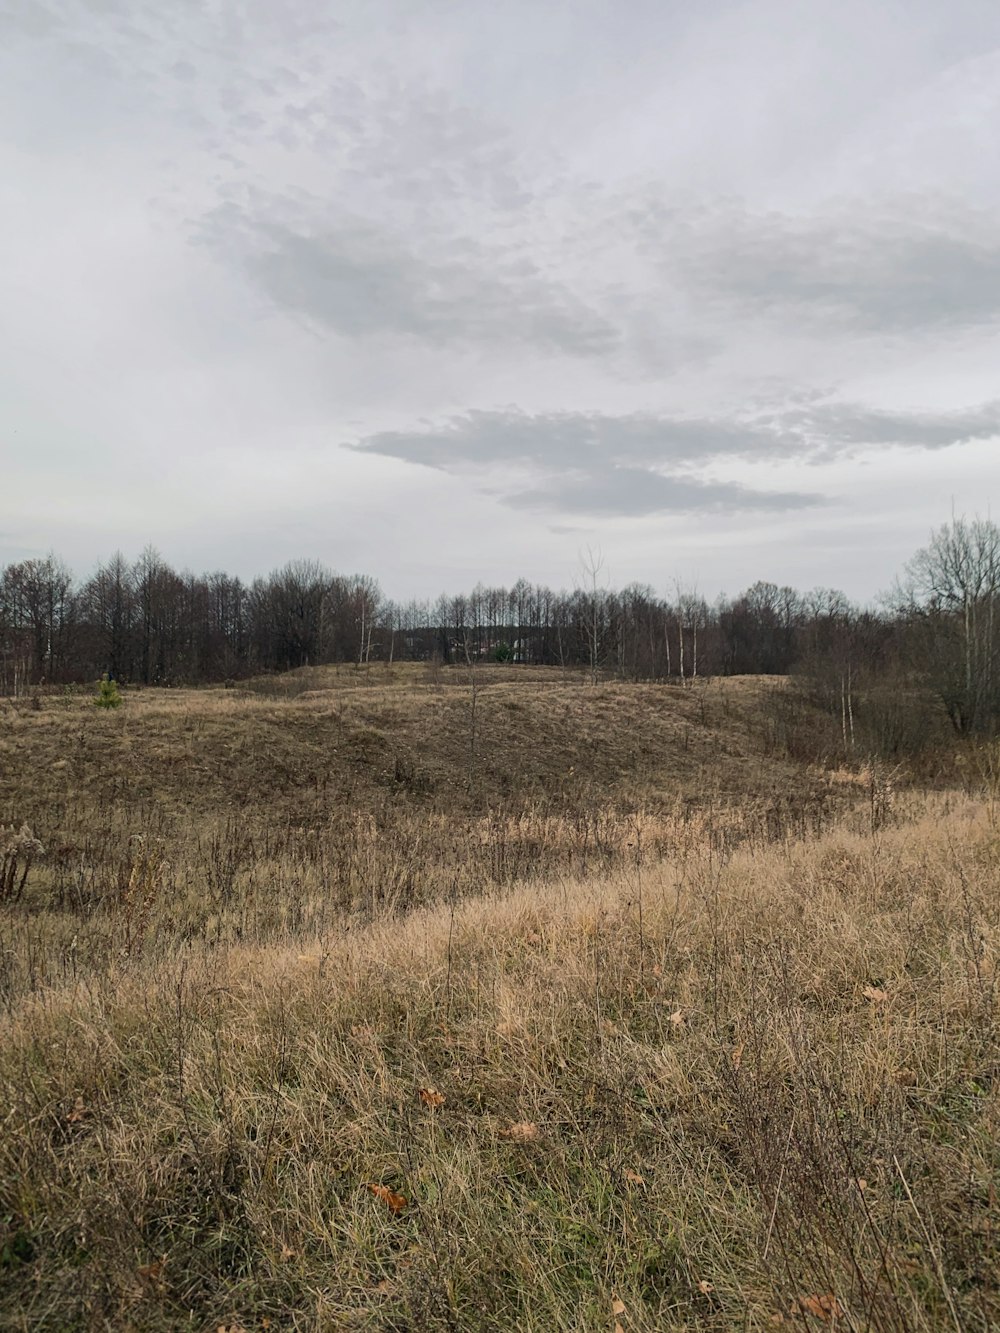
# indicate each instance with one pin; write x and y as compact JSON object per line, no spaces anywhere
{"x":144,"y":622}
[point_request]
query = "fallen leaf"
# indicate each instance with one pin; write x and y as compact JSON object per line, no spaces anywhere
{"x":875,"y":995}
{"x":705,"y":1287}
{"x":78,"y":1112}
{"x":824,"y":1308}
{"x":395,"y":1202}
{"x":430,"y":1097}
{"x":736,"y":1055}
{"x":286,"y":1253}
{"x":151,"y":1272}
{"x":862,"y":1184}
{"x":524,"y":1131}
{"x":384,"y":1286}
{"x":617,"y":1306}
{"x":677,"y":1018}
{"x":618,"y":1327}
{"x":777,"y":1319}
{"x":657,"y":970}
{"x":634,"y":1178}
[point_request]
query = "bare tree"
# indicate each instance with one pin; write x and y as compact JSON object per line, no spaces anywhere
{"x":951,"y":592}
{"x":594,"y":579}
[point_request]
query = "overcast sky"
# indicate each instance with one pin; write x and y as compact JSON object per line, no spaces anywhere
{"x":447,"y":290}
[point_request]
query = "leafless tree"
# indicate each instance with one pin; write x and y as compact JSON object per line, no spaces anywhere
{"x":594,"y":580}
{"x":951,"y":591}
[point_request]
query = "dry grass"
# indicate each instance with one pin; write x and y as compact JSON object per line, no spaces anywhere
{"x":725,"y":1074}
{"x":324,"y":738}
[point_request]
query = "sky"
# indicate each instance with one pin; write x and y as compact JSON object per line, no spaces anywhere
{"x":449,"y":291}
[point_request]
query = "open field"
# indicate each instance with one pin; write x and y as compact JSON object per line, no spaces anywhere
{"x":283,"y":807}
{"x":386,"y":1003}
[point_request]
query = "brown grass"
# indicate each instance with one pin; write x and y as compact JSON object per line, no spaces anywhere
{"x":325,"y":737}
{"x":728,"y":1070}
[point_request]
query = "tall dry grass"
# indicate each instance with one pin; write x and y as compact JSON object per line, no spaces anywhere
{"x":739,"y":1087}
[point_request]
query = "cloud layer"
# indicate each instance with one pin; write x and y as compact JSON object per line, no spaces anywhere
{"x":724,"y":263}
{"x":592,"y":464}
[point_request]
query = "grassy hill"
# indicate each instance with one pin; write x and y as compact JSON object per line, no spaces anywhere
{"x":386,"y":1002}
{"x":311,"y":738}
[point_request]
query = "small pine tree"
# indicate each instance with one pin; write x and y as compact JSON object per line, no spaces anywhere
{"x":108,"y":696}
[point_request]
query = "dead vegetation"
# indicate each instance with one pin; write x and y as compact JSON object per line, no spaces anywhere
{"x":291,"y":1041}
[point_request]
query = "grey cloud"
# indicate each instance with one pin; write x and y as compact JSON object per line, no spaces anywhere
{"x":928,"y":265}
{"x":630,"y":492}
{"x":356,"y":281}
{"x":591,"y":463}
{"x":572,"y":439}
{"x":565,"y":439}
{"x":839,"y":427}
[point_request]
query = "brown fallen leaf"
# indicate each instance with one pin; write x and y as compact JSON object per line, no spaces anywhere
{"x":286,"y":1253}
{"x":705,"y":1287}
{"x":395,"y":1202}
{"x":824,"y":1308}
{"x":677,"y":1018}
{"x":862,"y":1184}
{"x":736,"y":1055}
{"x":634,"y":1178}
{"x":524,"y":1131}
{"x":617,"y":1306}
{"x":618,"y":1327}
{"x":874,"y":994}
{"x":152,"y":1272}
{"x":78,"y":1112}
{"x":430,"y":1096}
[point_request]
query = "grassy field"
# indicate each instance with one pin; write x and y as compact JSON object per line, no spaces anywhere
{"x":401,"y":1001}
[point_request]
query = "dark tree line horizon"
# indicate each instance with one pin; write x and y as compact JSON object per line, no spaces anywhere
{"x":143,"y":622}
